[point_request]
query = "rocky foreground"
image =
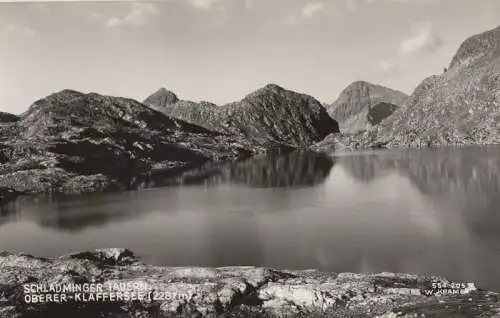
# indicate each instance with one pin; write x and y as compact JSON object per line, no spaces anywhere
{"x":227,"y":291}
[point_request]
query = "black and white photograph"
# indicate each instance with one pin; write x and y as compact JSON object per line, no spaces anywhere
{"x":250,"y":158}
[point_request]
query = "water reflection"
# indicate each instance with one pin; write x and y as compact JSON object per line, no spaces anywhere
{"x":295,"y":169}
{"x":75,"y":213}
{"x":276,"y":171}
{"x":463,"y":186}
{"x":466,"y":178}
{"x":366,"y":167}
{"x":419,"y":211}
{"x":242,"y":228}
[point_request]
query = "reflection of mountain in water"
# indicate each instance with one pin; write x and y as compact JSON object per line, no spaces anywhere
{"x":81,"y":212}
{"x":470,"y":176}
{"x":77,"y":213}
{"x":294,"y":169}
{"x":364,"y":167}
{"x":466,"y":178}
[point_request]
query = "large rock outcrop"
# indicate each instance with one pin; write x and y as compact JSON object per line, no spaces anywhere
{"x":362,"y":105}
{"x":73,"y":142}
{"x":459,"y":107}
{"x":224,"y":292}
{"x":270,"y":115}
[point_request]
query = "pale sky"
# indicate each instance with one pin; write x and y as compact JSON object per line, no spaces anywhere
{"x":220,"y":50}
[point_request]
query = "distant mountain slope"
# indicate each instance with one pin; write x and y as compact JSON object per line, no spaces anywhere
{"x":458,"y":107}
{"x":204,"y":114}
{"x":352,"y":107}
{"x":269,"y":115}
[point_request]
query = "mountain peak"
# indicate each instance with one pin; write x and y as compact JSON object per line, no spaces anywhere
{"x":368,"y":87}
{"x":273,"y":86}
{"x":65,"y":94}
{"x":161,"y":98}
{"x":268,"y":90}
{"x":361,"y":83}
{"x":482,"y":44}
{"x":61,"y":96}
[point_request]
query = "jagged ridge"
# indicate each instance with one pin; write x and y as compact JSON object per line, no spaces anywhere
{"x":269,"y":115}
{"x":75,"y":142}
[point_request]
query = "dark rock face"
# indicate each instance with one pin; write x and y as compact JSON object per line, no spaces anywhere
{"x":8,"y":118}
{"x":380,"y":112}
{"x":270,"y":115}
{"x":7,"y":194}
{"x":228,"y":291}
{"x":353,"y":107}
{"x":74,"y":142}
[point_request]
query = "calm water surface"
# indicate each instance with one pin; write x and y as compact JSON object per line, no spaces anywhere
{"x":419,"y":211}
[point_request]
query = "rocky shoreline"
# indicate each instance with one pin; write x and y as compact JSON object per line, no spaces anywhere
{"x":223,"y":292}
